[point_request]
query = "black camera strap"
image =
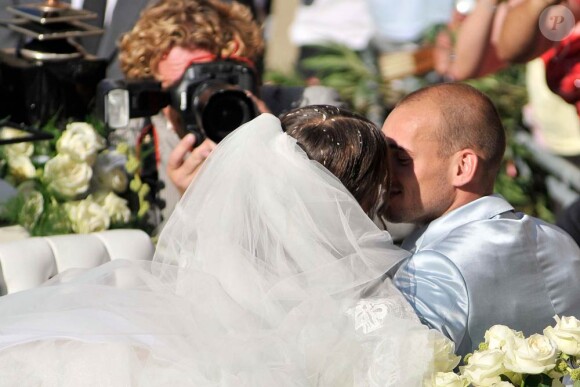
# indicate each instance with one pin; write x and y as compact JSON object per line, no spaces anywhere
{"x":28,"y":134}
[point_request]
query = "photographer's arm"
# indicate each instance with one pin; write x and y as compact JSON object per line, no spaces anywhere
{"x":185,"y":160}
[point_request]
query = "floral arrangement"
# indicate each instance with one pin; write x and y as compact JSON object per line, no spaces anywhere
{"x":73,"y":183}
{"x":507,"y":358}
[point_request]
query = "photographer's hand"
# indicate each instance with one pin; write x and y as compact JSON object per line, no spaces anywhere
{"x":184,"y":161}
{"x":260,"y":105}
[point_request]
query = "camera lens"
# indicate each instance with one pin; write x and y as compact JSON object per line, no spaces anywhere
{"x":224,"y":108}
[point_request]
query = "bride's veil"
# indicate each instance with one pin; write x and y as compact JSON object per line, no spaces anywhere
{"x":288,"y":252}
{"x":273,"y":224}
{"x":255,"y":282}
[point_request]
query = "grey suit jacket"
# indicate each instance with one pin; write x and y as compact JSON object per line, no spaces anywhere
{"x":8,"y":39}
{"x":126,"y":13}
{"x":485,"y":264}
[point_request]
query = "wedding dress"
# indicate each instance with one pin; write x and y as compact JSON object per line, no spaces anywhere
{"x":268,"y":273}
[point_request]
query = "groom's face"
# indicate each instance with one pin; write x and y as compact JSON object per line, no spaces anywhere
{"x":420,"y":187}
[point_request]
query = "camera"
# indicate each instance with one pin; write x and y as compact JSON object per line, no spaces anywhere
{"x":210,"y":98}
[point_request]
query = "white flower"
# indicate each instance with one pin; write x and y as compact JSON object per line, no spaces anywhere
{"x":448,"y":379}
{"x":86,"y":216}
{"x":67,"y":177}
{"x":115,"y":206}
{"x":444,"y":358}
{"x":81,"y":142}
{"x":484,"y":367}
{"x":502,"y":384}
{"x":534,"y":355}
{"x":566,"y":335}
{"x":21,"y":167}
{"x":498,"y":336}
{"x":18,"y":149}
{"x":110,"y":173}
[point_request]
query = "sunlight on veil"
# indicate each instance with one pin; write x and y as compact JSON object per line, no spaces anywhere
{"x":257,"y":281}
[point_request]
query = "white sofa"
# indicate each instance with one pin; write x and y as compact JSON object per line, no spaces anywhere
{"x":29,"y":262}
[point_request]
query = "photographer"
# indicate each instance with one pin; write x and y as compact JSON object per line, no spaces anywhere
{"x":169,"y":37}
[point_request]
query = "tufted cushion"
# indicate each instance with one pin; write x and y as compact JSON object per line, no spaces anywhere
{"x":29,"y":262}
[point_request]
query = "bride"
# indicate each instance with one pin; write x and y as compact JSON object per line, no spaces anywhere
{"x":269,"y":273}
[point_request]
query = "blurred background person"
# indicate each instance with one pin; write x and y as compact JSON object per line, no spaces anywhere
{"x":481,"y":48}
{"x":535,"y":28}
{"x":466,"y":48}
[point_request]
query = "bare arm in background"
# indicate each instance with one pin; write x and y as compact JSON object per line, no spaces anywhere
{"x":521,"y":39}
{"x":475,"y":48}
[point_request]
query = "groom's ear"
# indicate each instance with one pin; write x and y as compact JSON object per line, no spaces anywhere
{"x":465,"y":166}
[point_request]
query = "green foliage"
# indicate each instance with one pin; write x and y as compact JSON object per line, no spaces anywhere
{"x":346,"y":71}
{"x":283,"y":79}
{"x":520,"y":181}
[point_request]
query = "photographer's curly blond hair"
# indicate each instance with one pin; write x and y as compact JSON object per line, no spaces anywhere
{"x":223,"y":29}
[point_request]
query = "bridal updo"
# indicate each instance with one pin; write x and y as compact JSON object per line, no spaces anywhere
{"x":351,"y":147}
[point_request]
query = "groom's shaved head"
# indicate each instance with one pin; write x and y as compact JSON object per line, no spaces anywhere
{"x":448,"y":143}
{"x":468,"y":119}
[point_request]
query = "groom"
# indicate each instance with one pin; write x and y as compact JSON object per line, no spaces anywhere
{"x":476,"y":261}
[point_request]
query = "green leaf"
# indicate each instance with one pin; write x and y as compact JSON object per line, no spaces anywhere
{"x":280,"y":78}
{"x":330,"y":63}
{"x":339,"y":81}
{"x":541,"y":380}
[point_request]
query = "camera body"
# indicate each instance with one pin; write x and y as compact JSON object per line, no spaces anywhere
{"x":210,"y":98}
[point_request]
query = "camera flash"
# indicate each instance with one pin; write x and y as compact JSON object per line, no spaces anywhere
{"x":117,"y":108}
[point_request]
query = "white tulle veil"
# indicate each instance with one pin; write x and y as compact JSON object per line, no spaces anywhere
{"x":256,"y":281}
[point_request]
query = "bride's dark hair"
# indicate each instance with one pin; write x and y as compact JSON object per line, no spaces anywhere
{"x":348,"y":145}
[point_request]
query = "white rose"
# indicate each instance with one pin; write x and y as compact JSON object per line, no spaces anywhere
{"x":503,"y":384}
{"x":67,"y":177}
{"x":566,"y":335}
{"x":21,"y":167}
{"x":110,"y":172}
{"x":498,"y":336}
{"x":484,"y":367}
{"x":86,"y":216}
{"x":115,"y":206}
{"x":448,"y":379}
{"x":18,"y":149}
{"x":444,"y":358}
{"x":81,"y":142}
{"x":534,"y":355}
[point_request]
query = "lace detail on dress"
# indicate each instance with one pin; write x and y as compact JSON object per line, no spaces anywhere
{"x":370,"y":314}
{"x":387,"y":339}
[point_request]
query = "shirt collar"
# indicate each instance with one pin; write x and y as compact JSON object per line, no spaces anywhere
{"x":486,"y":207}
